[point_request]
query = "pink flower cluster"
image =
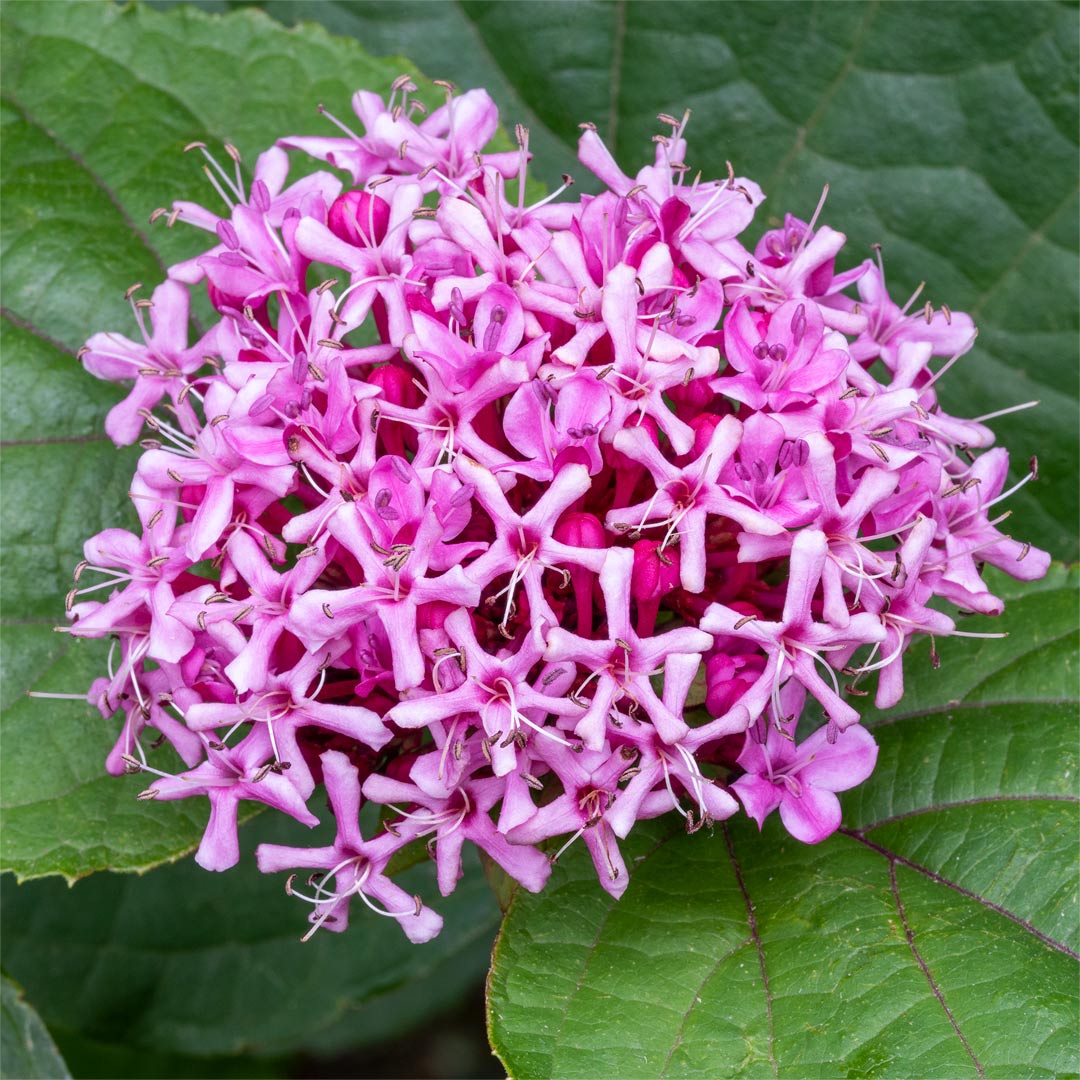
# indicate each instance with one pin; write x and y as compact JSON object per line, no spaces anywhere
{"x":521,"y":520}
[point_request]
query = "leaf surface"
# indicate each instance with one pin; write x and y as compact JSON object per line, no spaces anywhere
{"x":183,"y":961}
{"x":26,"y":1048}
{"x":935,"y":935}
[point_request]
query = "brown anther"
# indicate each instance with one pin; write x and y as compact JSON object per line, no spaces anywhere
{"x":485,"y":749}
{"x":174,"y":476}
{"x":243,"y":613}
{"x":396,"y":113}
{"x":428,"y":212}
{"x":664,"y":118}
{"x":374,"y":422}
{"x":159,"y":212}
{"x":144,"y":304}
{"x":147,"y":795}
{"x":640,"y":284}
{"x":947,"y":312}
{"x":730,"y":175}
{"x":172,"y":218}
{"x":928,"y":313}
{"x":750,"y":268}
{"x":688,"y":378}
{"x":158,"y":560}
{"x":83,"y":350}
{"x":923,"y":414}
{"x":419,"y":905}
{"x":132,"y":765}
{"x":425,"y":170}
{"x":587,"y":125}
{"x":316,"y":372}
{"x":624,"y":645}
{"x":532,"y":781}
{"x":971,"y":482}
{"x":249,"y":313}
{"x":69,"y":600}
{"x":132,"y":290}
{"x":637,"y":189}
{"x":445,"y":84}
{"x":880,"y":453}
{"x":897,"y":568}
{"x":853,"y":689}
{"x":849,"y":393}
{"x":289,"y":884}
{"x":379,"y":181}
{"x":1023,"y":553}
{"x":327,"y":612}
{"x":1033,"y":465}
{"x":567,"y":179}
{"x":743,"y":621}
{"x":232,"y":152}
{"x":219,"y":419}
{"x":262,"y":773}
{"x":194,"y":146}
{"x":329,"y":283}
{"x":879,"y":433}
{"x":402,"y":150}
{"x":77,"y":572}
{"x":329,"y":343}
{"x":200,"y":618}
{"x":954,"y":490}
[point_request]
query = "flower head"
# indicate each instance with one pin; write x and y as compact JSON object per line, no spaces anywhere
{"x":599,"y":497}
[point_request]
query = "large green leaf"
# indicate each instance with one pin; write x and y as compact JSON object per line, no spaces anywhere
{"x":27,"y":1051}
{"x":948,"y":134}
{"x":185,"y":961}
{"x":98,"y":103}
{"x":936,"y":935}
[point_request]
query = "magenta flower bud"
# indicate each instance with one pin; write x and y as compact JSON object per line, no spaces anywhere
{"x":359,"y":218}
{"x":581,"y":530}
{"x":656,"y":573}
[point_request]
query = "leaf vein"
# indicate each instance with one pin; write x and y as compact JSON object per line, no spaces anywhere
{"x":751,"y":919}
{"x":998,"y":909}
{"x":97,"y":179}
{"x":909,"y":933}
{"x":822,"y":106}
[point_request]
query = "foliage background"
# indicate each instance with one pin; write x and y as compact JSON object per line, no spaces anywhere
{"x":948,"y":134}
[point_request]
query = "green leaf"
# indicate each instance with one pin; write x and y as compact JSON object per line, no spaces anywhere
{"x":183,"y":961}
{"x":98,"y":102}
{"x":935,"y":935}
{"x":948,"y":134}
{"x":27,"y":1051}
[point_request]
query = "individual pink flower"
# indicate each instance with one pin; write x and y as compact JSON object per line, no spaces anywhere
{"x":802,"y":778}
